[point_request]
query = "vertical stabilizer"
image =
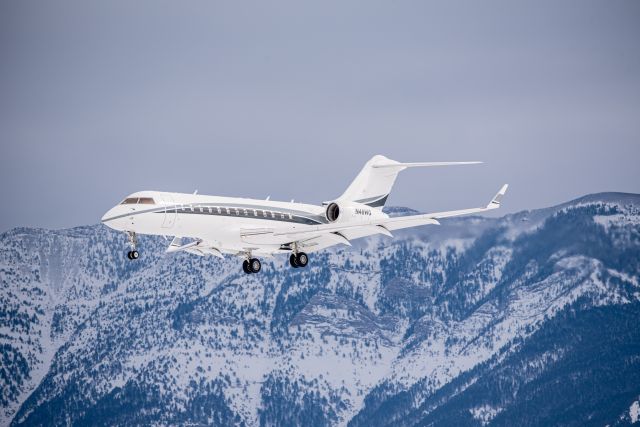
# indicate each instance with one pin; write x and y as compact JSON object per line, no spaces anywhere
{"x":373,"y":185}
{"x":374,"y":182}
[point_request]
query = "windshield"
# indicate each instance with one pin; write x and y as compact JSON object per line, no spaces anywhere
{"x":138,"y":200}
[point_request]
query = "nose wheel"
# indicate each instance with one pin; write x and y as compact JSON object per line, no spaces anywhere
{"x":133,"y":255}
{"x":252,"y":265}
{"x":298,"y":260}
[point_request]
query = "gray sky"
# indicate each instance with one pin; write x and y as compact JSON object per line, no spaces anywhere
{"x":289,"y":99}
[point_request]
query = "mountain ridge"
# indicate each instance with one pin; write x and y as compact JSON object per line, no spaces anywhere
{"x":358,"y":328}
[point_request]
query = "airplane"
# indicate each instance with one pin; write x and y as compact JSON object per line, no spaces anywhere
{"x":251,"y":228}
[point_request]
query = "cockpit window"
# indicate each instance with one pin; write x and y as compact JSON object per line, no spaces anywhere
{"x":138,"y":200}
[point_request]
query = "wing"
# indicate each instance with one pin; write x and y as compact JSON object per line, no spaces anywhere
{"x":197,"y":247}
{"x":316,"y":237}
{"x":431,"y":218}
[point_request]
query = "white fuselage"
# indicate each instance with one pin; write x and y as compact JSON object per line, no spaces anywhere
{"x":218,"y":220}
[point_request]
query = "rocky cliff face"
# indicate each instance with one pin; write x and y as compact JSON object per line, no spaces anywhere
{"x":530,"y":317}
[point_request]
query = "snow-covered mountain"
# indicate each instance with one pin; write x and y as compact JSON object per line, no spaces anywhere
{"x":527,"y":319}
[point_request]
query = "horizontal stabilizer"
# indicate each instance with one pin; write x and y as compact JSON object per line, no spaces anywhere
{"x":374,"y":182}
{"x":421,"y":164}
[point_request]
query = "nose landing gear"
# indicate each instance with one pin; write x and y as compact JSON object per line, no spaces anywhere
{"x":133,"y":240}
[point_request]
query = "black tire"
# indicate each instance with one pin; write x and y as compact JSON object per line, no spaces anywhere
{"x":135,"y":255}
{"x":255,"y":265}
{"x":302,"y":259}
{"x":292,"y":261}
{"x":245,"y":267}
{"x":129,"y":255}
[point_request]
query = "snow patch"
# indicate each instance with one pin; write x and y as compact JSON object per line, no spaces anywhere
{"x":485,"y":413}
{"x":618,"y":219}
{"x":634,"y":411}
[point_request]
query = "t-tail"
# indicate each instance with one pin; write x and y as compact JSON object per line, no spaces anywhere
{"x":374,"y":182}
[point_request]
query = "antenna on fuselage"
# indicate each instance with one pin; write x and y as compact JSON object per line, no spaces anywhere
{"x":268,"y":197}
{"x":195,"y":192}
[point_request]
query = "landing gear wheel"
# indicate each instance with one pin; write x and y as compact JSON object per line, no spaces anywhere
{"x":255,"y":265}
{"x":245,"y":267}
{"x":133,"y":255}
{"x":299,"y":260}
{"x":302,"y":259}
{"x":292,"y":261}
{"x":129,"y":255}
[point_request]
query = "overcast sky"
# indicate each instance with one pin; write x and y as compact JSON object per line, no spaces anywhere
{"x":290,"y":99}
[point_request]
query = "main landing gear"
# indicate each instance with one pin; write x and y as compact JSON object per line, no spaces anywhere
{"x":251,"y":265}
{"x":299,"y":259}
{"x":133,"y":240}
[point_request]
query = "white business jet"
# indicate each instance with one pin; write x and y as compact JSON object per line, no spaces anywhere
{"x":251,"y":228}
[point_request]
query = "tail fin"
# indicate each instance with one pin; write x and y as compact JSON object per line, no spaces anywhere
{"x":374,"y":182}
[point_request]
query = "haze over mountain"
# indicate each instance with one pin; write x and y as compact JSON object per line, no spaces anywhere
{"x":528,"y":319}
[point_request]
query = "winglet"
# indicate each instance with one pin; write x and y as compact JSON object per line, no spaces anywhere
{"x":495,"y":202}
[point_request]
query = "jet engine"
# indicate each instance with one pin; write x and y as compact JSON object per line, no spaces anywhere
{"x":333,"y":212}
{"x":350,"y":211}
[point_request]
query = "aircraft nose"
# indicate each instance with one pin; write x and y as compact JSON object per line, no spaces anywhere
{"x":109,"y":217}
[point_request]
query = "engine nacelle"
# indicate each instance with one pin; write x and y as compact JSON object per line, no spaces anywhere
{"x":350,"y":211}
{"x":333,"y":212}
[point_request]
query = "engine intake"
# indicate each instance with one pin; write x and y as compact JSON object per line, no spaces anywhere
{"x":333,"y":212}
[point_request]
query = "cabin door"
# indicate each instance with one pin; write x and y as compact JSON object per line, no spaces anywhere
{"x":169,"y":212}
